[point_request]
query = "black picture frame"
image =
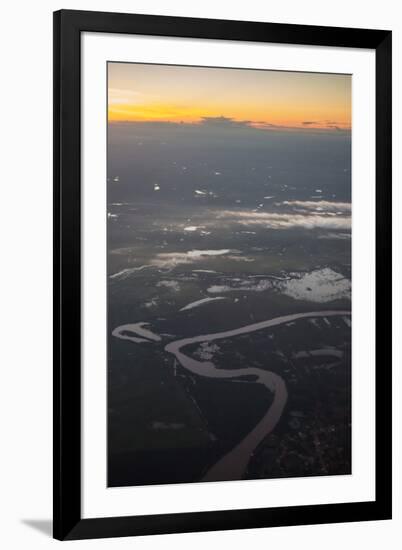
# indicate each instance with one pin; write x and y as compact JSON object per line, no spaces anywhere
{"x":68,"y":26}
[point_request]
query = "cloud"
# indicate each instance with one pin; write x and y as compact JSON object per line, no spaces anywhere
{"x":229,"y":123}
{"x":270,"y":220}
{"x":171,"y":259}
{"x":333,"y":127}
{"x":225,"y":122}
{"x":329,"y":216}
{"x":124,"y":105}
{"x":270,"y":126}
{"x":327,"y":206}
{"x":336,"y":236}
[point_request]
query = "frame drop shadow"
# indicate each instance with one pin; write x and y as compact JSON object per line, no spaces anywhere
{"x":44,"y":526}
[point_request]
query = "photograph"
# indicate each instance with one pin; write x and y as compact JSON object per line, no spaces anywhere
{"x":229,"y":274}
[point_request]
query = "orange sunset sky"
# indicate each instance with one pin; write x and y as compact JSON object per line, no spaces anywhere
{"x":141,"y":92}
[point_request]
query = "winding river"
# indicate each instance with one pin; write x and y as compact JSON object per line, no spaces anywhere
{"x":234,"y":463}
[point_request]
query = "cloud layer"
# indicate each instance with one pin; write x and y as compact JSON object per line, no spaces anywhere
{"x":286,"y":220}
{"x":327,"y":206}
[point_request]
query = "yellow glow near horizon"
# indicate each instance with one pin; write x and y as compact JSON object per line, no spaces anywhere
{"x":140,"y":92}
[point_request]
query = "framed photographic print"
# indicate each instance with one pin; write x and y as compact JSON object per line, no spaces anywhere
{"x":222,"y":269}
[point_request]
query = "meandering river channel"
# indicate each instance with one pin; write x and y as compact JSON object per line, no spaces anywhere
{"x":234,"y":463}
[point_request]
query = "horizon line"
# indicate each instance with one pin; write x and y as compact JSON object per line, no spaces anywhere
{"x":222,"y":122}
